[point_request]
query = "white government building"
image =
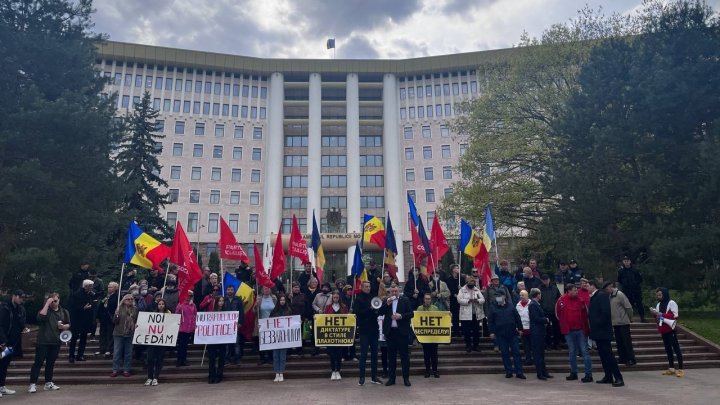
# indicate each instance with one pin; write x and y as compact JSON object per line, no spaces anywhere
{"x":257,"y":140}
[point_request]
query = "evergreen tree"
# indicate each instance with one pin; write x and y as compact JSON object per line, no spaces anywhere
{"x":139,"y":170}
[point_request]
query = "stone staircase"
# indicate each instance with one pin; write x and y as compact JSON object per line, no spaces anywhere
{"x":649,"y":351}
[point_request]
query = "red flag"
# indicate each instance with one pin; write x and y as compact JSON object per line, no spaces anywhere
{"x":248,"y":326}
{"x":183,"y":256}
{"x":418,"y":247}
{"x":260,"y":274}
{"x":297,"y":246}
{"x":229,"y":247}
{"x":278,"y":263}
{"x":438,"y":242}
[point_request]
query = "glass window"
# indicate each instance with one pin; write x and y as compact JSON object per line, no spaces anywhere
{"x":408,"y":133}
{"x":236,"y":90}
{"x":370,"y":160}
{"x":438,"y":110}
{"x":160,"y":126}
{"x":263,"y":113}
{"x":128,"y":80}
{"x":430,"y":215}
{"x":188,"y":85}
{"x":253,"y":223}
{"x":177,"y":149}
{"x":226,"y":89}
{"x":446,"y":151}
{"x":208,"y":87}
{"x":446,"y":89}
{"x":464,"y":87}
{"x":448,"y":110}
{"x":244,"y":111}
{"x":369,"y":141}
{"x":295,"y":181}
{"x":206,"y":108}
{"x":428,"y":173}
{"x":118,"y":79}
{"x":419,"y":91}
{"x":214,"y":196}
{"x":410,"y":92}
{"x":200,"y":128}
{"x":196,"y":173}
{"x":148,"y":82}
{"x":411,"y":110}
{"x":437,"y":90}
{"x":216,"y":88}
{"x":234,"y":197}
{"x":175,"y":172}
{"x":234,"y":222}
{"x":429,"y":110}
{"x":156,"y":104}
{"x":194,"y":196}
{"x":192,"y":225}
{"x":403,"y":113}
{"x":197,"y":150}
{"x":427,"y":152}
{"x":257,"y":133}
{"x":409,"y":174}
{"x":428,"y":90}
{"x":180,"y":127}
{"x":463,"y":148}
{"x":333,"y":181}
{"x":411,"y":194}
{"x":426,"y":133}
{"x":295,"y":202}
{"x":335,"y":161}
{"x":178,"y":84}
{"x":444,"y":131}
{"x":254,"y":198}
{"x":421,"y":112}
{"x":409,"y":154}
{"x":245,"y":90}
{"x":236,"y":175}
{"x":219,"y":130}
{"x":173,"y":195}
{"x":333,"y":202}
{"x":253,"y":112}
{"x":447,"y":172}
{"x":215,"y":174}
{"x":372,"y":181}
{"x":235,"y":111}
{"x":172,"y":219}
{"x":429,"y":195}
{"x":225,"y":110}
{"x":455,"y":89}
{"x":176,"y":105}
{"x":402,"y":93}
{"x":198,"y":86}
{"x":217,"y":151}
{"x":237,"y":153}
{"x":238,"y":133}
{"x":473,"y":87}
{"x":255,"y":176}
{"x":168,"y":83}
{"x":372,"y":202}
{"x":196,"y":107}
{"x":263,"y":92}
{"x":213,"y":222}
{"x":186,"y":106}
{"x":254,"y":91}
{"x":337,"y":141}
{"x":257,"y":154}
{"x":125,"y":101}
{"x":296,"y":161}
{"x":448,"y":192}
{"x":216,"y":109}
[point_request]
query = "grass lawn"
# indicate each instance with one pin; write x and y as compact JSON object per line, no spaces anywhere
{"x":706,"y":324}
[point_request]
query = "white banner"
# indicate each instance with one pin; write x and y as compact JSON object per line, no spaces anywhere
{"x":283,"y":332}
{"x":156,"y":329}
{"x":216,"y":327}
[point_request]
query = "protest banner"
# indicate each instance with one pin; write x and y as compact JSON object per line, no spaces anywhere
{"x":335,"y":330}
{"x":156,"y":329}
{"x":282,"y":332}
{"x":216,"y":327}
{"x":432,"y":326}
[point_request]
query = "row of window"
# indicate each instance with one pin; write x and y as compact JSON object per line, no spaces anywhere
{"x":428,"y":152}
{"x":187,"y":85}
{"x":214,"y":197}
{"x":333,"y":141}
{"x":333,"y":181}
{"x":426,"y":132}
{"x":219,"y":130}
{"x":199,"y":150}
{"x":225,"y":110}
{"x":423,"y":111}
{"x":429,"y":173}
{"x":427,"y":91}
{"x":193,"y":220}
{"x":215,"y":174}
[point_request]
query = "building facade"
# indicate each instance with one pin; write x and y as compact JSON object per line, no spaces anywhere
{"x":257,"y":141}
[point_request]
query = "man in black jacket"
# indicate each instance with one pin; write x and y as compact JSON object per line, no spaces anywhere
{"x":396,"y":327}
{"x":538,"y":323}
{"x":12,"y":323}
{"x":550,"y":295}
{"x":505,"y":326}
{"x":601,"y":331}
{"x":454,"y":281}
{"x":233,"y":303}
{"x":367,"y":324}
{"x":82,"y":312}
{"x":630,"y":281}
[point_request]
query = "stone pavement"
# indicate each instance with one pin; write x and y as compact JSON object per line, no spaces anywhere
{"x":699,"y":386}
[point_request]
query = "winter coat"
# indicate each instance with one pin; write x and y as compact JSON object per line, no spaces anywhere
{"x":600,"y":317}
{"x":572,"y":314}
{"x":549,"y":297}
{"x":467,"y":309}
{"x":188,"y":316}
{"x":320,"y":302}
{"x":504,"y":320}
{"x":81,"y":318}
{"x":124,"y":321}
{"x":12,"y":323}
{"x":48,"y":332}
{"x":538,"y":319}
{"x":620,"y":308}
{"x":524,"y":313}
{"x":443,"y":295}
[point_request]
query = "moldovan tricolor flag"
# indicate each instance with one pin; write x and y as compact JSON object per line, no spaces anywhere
{"x":391,"y":249}
{"x":298,"y":246}
{"x":229,"y":247}
{"x":183,"y":256}
{"x":374,"y":231}
{"x":144,"y":250}
{"x":316,"y":244}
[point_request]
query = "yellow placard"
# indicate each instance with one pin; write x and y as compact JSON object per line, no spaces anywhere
{"x":432,"y":326}
{"x":335,"y":330}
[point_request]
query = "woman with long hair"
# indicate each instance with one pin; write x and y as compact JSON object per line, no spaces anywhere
{"x":156,"y":354}
{"x":335,"y":307}
{"x":188,"y":315}
{"x":216,"y":353}
{"x":280,"y":355}
{"x":124,"y":320}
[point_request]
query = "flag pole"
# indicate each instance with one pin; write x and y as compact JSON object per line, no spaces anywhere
{"x":167,"y":270}
{"x":122,"y":271}
{"x":222,"y":275}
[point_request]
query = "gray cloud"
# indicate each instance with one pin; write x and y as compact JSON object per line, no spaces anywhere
{"x":341,"y":18}
{"x":456,"y":7}
{"x":358,"y":47}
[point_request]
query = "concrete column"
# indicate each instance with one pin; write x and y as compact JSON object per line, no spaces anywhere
{"x":353,"y":159}
{"x":314,"y":190}
{"x":394,"y":196}
{"x":273,"y":156}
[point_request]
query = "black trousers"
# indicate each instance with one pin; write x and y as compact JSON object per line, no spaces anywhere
{"x":216,"y":361}
{"x":155,"y":357}
{"x":397,"y":343}
{"x":384,"y":358}
{"x":471,"y":332}
{"x":335,"y":357}
{"x":527,"y":348}
{"x":183,"y":341}
{"x":538,"y":351}
{"x":624,"y":345}
{"x":455,"y":312}
{"x":47,"y":354}
{"x":671,"y":344}
{"x":635,"y":297}
{"x":553,"y":336}
{"x":106,"y":338}
{"x":368,"y":342}
{"x":430,"y":355}
{"x":609,"y":364}
{"x":82,"y":337}
{"x":4,"y":364}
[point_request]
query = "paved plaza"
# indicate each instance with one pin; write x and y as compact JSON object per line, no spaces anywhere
{"x":699,"y":386}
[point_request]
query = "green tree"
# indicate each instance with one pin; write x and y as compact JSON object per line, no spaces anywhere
{"x":138,"y":168}
{"x":637,"y":165}
{"x":214,"y":262}
{"x":58,"y":191}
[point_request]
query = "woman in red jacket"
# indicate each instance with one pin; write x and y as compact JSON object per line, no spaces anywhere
{"x":336,"y":307}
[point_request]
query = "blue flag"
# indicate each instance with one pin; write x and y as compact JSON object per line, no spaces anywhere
{"x":423,"y":238}
{"x":465,"y":234}
{"x":489,"y":224}
{"x":358,"y":265}
{"x":413,"y":211}
{"x":229,"y":279}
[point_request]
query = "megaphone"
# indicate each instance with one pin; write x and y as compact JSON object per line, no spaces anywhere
{"x":669,"y":322}
{"x":65,"y":336}
{"x":376,"y":303}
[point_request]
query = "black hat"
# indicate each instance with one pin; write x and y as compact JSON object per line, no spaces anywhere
{"x":544,"y":277}
{"x":626,"y":257}
{"x":20,"y":293}
{"x":572,"y":261}
{"x":500,"y":291}
{"x":562,"y":263}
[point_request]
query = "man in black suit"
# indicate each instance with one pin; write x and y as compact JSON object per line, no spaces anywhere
{"x":601,"y":331}
{"x":538,"y":323}
{"x":396,"y":327}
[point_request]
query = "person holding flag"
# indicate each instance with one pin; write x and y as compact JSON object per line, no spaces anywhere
{"x":366,"y":322}
{"x":317,"y":248}
{"x":391,"y":250}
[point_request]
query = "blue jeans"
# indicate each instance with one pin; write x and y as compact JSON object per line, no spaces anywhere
{"x":371,"y":342}
{"x":576,"y":340}
{"x":508,"y":345}
{"x":122,"y":353}
{"x":279,"y":360}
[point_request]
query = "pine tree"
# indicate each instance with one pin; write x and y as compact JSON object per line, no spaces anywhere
{"x":138,"y":168}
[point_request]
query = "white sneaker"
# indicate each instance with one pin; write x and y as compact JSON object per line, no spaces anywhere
{"x":281,"y":379}
{"x":154,"y":382}
{"x":337,"y":375}
{"x":32,"y":389}
{"x":51,"y":386}
{"x":148,"y":382}
{"x":332,"y":376}
{"x":6,"y":391}
{"x":277,"y":377}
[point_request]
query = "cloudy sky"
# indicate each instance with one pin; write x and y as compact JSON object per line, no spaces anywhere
{"x":362,"y":28}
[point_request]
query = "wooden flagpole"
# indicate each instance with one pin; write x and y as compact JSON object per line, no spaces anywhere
{"x":122,"y":271}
